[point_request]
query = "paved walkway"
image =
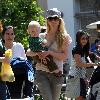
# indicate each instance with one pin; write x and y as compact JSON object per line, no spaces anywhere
{"x":22,"y":99}
{"x":19,"y":99}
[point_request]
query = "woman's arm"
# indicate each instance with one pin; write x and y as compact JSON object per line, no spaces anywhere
{"x":80,"y":63}
{"x":30,"y":53}
{"x":60,"y":56}
{"x":5,"y":60}
{"x":98,"y":58}
{"x":1,"y":59}
{"x":57,"y":54}
{"x":65,"y":50}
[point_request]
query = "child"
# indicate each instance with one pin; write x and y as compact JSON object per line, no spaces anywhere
{"x":37,"y":44}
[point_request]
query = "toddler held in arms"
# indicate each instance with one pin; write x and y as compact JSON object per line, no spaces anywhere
{"x":38,"y":44}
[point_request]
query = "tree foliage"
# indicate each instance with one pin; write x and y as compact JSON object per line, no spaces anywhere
{"x":19,"y":13}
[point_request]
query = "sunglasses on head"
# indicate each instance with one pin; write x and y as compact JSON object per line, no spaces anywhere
{"x":53,"y":18}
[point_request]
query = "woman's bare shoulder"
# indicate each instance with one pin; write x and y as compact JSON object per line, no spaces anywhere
{"x":67,"y":39}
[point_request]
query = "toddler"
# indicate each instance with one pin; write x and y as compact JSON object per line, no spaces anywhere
{"x":38,"y":44}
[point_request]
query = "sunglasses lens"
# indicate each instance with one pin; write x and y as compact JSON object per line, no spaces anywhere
{"x":85,"y":38}
{"x":52,"y":18}
{"x":55,"y":18}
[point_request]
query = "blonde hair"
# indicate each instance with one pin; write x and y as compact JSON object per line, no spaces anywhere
{"x":34,"y":24}
{"x":61,"y":33}
{"x":1,"y":27}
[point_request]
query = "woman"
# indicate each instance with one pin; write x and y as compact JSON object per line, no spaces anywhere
{"x":80,"y":54}
{"x":50,"y":83}
{"x":3,"y":88}
{"x":15,"y":88}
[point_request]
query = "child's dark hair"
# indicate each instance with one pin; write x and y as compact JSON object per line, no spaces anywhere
{"x":85,"y":49}
{"x":79,"y":34}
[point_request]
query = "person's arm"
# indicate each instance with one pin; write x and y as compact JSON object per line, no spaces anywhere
{"x":30,"y":53}
{"x":1,"y":59}
{"x":60,"y":55}
{"x":5,"y":60}
{"x":65,"y":50}
{"x":98,"y":58}
{"x":80,"y":63}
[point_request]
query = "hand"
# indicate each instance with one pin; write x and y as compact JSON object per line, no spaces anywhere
{"x":6,"y":60}
{"x":56,"y":71}
{"x":44,"y":43}
{"x":43,"y":55}
{"x":98,"y":64}
{"x":30,"y":53}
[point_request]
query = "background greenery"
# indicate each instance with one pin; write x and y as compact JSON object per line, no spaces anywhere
{"x":19,"y":13}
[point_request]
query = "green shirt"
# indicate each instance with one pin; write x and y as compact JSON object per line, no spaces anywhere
{"x":35,"y":44}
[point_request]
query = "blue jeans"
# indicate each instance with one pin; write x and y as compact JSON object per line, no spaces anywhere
{"x":3,"y":91}
{"x":49,"y":85}
{"x":15,"y":88}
